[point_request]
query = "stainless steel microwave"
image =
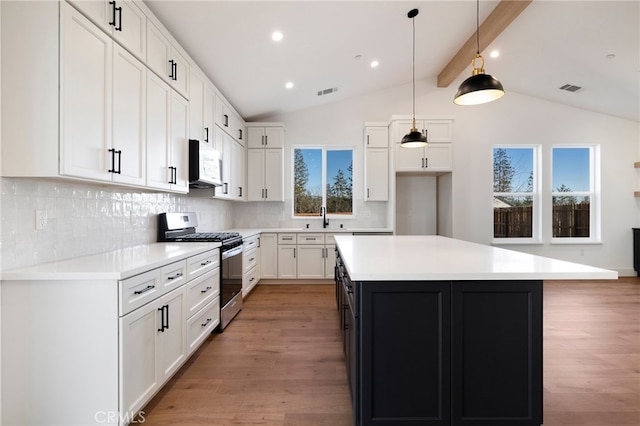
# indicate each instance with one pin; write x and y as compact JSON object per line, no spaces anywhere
{"x":205,"y":165}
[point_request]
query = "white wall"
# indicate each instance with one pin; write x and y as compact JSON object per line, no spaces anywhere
{"x":514,"y":119}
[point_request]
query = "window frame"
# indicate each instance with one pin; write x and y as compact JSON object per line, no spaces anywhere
{"x":594,"y":195}
{"x":535,"y":194}
{"x":324,"y":149}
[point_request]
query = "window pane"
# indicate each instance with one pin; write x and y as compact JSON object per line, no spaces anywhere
{"x":512,"y":217}
{"x":513,"y":170}
{"x":571,"y":216}
{"x":571,"y":169}
{"x":339,"y":181}
{"x":307,"y":181}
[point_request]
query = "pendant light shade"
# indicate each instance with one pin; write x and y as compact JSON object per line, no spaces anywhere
{"x":480,"y":88}
{"x":414,"y":139}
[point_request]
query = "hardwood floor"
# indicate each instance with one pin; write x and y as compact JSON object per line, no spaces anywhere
{"x":284,"y":366}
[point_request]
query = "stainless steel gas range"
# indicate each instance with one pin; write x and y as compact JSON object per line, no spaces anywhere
{"x":181,"y":227}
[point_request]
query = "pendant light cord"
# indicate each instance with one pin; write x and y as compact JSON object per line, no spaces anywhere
{"x":478,"y":26}
{"x":413,"y":75}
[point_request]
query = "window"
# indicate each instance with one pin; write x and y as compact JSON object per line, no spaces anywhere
{"x":322,"y":177}
{"x":573,"y":193}
{"x":515,"y":193}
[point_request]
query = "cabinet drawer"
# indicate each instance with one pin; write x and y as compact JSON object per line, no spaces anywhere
{"x":173,"y":275}
{"x":330,"y":238}
{"x":249,"y":280}
{"x":310,"y":238}
{"x":286,"y":238}
{"x":250,"y":243}
{"x":202,"y":290}
{"x":249,"y":259}
{"x":202,"y":324}
{"x":201,"y":263}
{"x":136,"y":291}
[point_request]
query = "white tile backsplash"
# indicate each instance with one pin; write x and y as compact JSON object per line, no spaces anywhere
{"x":88,"y":218}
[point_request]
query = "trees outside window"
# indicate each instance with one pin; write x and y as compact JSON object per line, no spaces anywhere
{"x":515,"y":192}
{"x":573,"y":192}
{"x":322,"y":177}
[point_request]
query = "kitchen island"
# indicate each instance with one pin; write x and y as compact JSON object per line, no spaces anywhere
{"x":440,"y":331}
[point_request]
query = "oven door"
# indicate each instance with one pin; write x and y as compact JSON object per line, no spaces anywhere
{"x":231,"y":285}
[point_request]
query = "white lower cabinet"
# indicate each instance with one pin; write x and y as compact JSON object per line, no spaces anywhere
{"x":152,"y":348}
{"x":250,"y":264}
{"x":107,"y":345}
{"x":287,"y":261}
{"x":269,"y":256}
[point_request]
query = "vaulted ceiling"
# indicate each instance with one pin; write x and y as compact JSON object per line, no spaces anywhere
{"x":594,"y":45}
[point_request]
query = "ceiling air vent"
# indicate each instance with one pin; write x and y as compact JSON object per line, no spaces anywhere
{"x":570,"y":88}
{"x":327,"y":91}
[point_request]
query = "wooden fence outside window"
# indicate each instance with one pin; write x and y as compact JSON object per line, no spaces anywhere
{"x":568,"y":220}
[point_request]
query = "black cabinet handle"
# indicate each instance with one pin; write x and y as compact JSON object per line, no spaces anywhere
{"x":167,"y":316}
{"x":172,"y":64}
{"x":113,"y":13}
{"x":206,"y":138}
{"x":119,"y":27}
{"x":178,"y":275}
{"x":119,"y":152}
{"x":266,"y":193}
{"x":164,"y":318}
{"x":113,"y":160}
{"x":175,"y":71}
{"x":204,"y":324}
{"x":263,"y":142}
{"x":294,"y":252}
{"x":174,"y":175}
{"x":367,"y":139}
{"x":426,"y":162}
{"x":144,"y":290}
{"x":206,"y":289}
{"x":226,"y":120}
{"x":226,"y":188}
{"x":240,"y":130}
{"x":240,"y":193}
{"x":367,"y":192}
{"x":205,"y":263}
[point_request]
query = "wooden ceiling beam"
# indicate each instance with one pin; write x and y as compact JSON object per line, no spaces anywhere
{"x":499,"y":19}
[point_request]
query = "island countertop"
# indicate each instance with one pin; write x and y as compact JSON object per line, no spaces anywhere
{"x":438,"y":258}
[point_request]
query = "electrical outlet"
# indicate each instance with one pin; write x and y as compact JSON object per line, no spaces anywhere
{"x":41,"y":219}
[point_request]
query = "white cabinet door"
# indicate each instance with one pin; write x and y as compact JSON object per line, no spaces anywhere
{"x":438,"y":157}
{"x":158,"y":111}
{"x":377,"y":174}
{"x":179,"y":143}
{"x":269,"y":256}
{"x":274,"y":175}
{"x":409,"y":159}
{"x":265,"y":137}
{"x":129,"y":118}
{"x":265,"y":174}
{"x":166,"y":61}
{"x":224,"y":141}
{"x":208,"y":115}
{"x":255,"y":174}
{"x":172,"y":336}
{"x":196,"y":106}
{"x":376,"y":137}
{"x":287,"y":261}
{"x":85,"y":97}
{"x":138,"y":362}
{"x":121,"y":19}
{"x":238,"y":171}
{"x":255,"y":137}
{"x":329,"y":260}
{"x":310,"y":261}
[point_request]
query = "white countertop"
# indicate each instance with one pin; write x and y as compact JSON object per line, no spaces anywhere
{"x":431,"y":258}
{"x":113,"y":265}
{"x":248,"y":232}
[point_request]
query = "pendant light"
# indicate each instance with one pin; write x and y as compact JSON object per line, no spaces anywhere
{"x":414,"y":139}
{"x":480,"y":88}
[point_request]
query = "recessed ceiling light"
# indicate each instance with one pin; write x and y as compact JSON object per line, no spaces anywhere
{"x":289,"y":85}
{"x":276,"y":36}
{"x":374,"y":64}
{"x":494,"y":54}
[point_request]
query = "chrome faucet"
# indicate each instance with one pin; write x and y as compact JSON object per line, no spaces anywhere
{"x":323,"y":212}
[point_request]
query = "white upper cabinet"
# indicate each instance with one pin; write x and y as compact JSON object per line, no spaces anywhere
{"x":377,"y":174}
{"x":102,"y":105}
{"x":121,"y":19}
{"x":166,"y":60}
{"x":265,"y":136}
{"x":265,"y":174}
{"x":376,"y":136}
{"x":436,"y":157}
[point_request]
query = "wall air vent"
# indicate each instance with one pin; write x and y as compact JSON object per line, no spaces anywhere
{"x":327,"y":91}
{"x":570,"y":88}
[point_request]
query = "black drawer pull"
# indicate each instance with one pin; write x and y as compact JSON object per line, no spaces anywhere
{"x":206,"y":289}
{"x":144,"y":290}
{"x":178,"y":275}
{"x":204,"y":324}
{"x":205,"y":263}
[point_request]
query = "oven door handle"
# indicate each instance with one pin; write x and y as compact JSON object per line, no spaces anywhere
{"x":229,"y":253}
